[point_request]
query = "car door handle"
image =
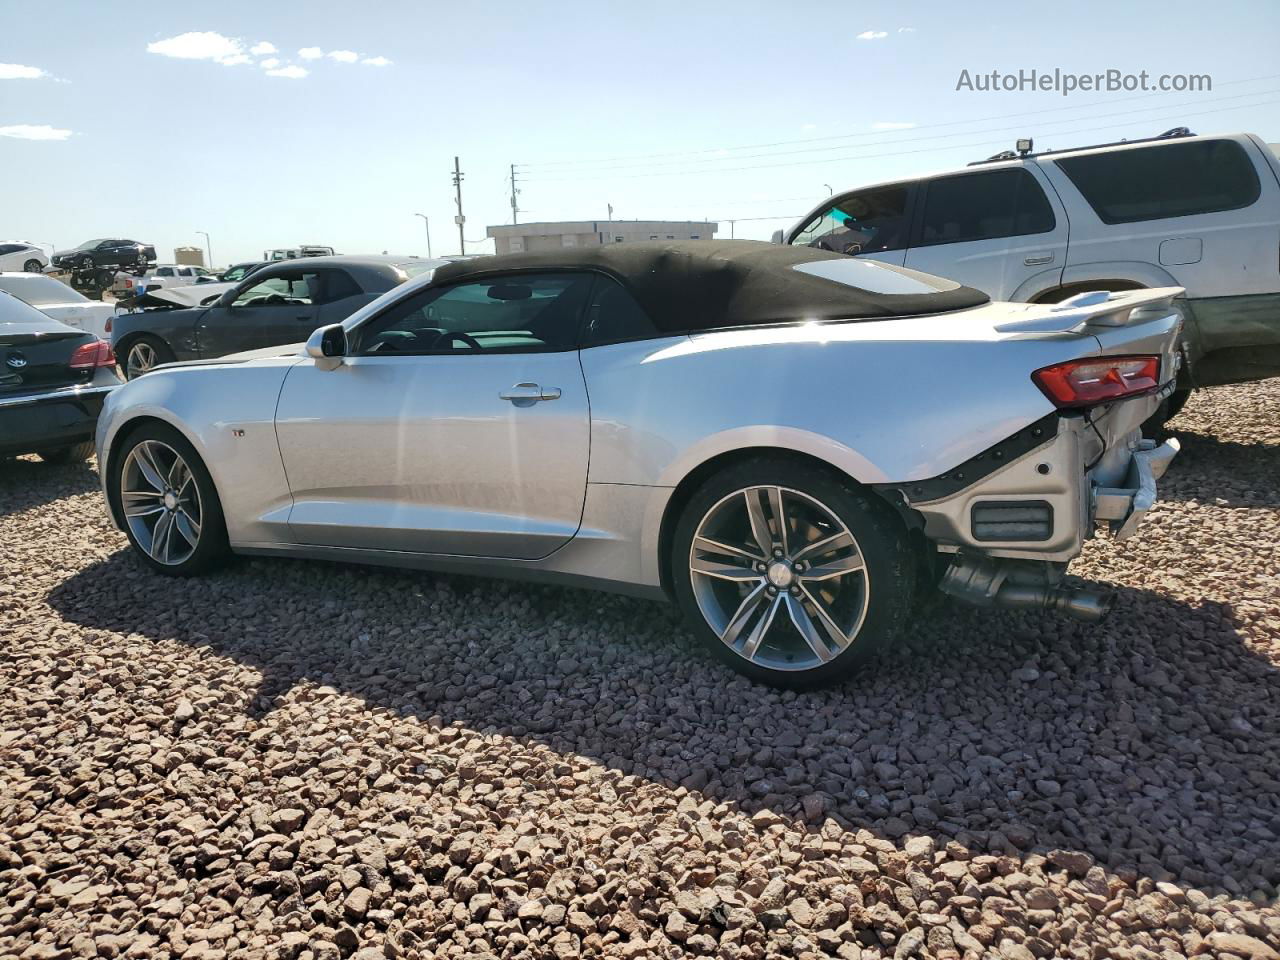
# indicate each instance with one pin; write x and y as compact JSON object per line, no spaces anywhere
{"x":1036,"y":259}
{"x":527,"y":394}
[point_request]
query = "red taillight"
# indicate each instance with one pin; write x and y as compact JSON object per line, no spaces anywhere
{"x":111,"y":318}
{"x":1084,"y":383}
{"x":91,"y":355}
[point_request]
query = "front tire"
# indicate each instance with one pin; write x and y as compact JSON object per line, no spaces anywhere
{"x":163,"y":492}
{"x":790,"y":574}
{"x":144,"y":352}
{"x":33,"y":266}
{"x":76,"y":453}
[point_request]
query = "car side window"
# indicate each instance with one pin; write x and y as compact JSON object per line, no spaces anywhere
{"x":614,"y":316}
{"x":8,"y":248}
{"x":866,"y":221}
{"x":517,"y":312}
{"x":338,"y":285}
{"x":290,"y":289}
{"x":164,"y":271}
{"x":984,"y":206}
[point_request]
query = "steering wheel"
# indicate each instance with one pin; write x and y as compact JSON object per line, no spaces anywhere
{"x":446,"y":338}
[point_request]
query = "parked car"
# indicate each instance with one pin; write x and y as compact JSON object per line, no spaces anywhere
{"x":118,"y":254}
{"x":280,"y":303}
{"x":53,"y":378}
{"x":55,"y":299}
{"x":20,"y":255}
{"x":159,"y":277}
{"x":1198,"y":212}
{"x":238,"y":271}
{"x":782,"y":439}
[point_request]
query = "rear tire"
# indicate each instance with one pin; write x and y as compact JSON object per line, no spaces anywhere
{"x":76,"y":453}
{"x":811,"y":605}
{"x":1154,"y":427}
{"x":162,"y":491}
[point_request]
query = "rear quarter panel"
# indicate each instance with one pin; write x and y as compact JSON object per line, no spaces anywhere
{"x":884,"y":401}
{"x":207,"y":405}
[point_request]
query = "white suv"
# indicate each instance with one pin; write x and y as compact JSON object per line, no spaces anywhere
{"x":1199,"y":212}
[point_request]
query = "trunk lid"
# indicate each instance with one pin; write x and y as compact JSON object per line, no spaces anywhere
{"x":36,"y":356}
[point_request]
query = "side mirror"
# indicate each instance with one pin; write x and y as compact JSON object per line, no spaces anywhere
{"x":328,"y":345}
{"x":778,"y":236}
{"x":228,"y":299}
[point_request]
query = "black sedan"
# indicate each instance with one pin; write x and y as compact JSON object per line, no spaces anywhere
{"x":276,"y":304}
{"x":53,"y":379}
{"x":122,"y":254}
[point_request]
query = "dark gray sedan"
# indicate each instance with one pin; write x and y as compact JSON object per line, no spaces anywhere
{"x":277,"y":304}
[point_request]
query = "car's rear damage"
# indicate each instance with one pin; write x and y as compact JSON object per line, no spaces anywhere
{"x":1007,"y":522}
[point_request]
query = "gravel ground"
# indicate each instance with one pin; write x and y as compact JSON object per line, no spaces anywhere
{"x":304,"y":760}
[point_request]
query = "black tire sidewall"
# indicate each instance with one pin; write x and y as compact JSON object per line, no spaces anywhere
{"x":880,"y":536}
{"x":74,"y":453}
{"x":212,"y":548}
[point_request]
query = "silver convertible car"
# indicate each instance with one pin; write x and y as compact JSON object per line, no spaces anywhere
{"x":788,"y":442}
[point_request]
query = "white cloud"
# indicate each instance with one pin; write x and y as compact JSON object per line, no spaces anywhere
{"x":809,"y":126}
{"x":270,"y":63}
{"x":28,"y":131}
{"x":872,"y":35}
{"x":16,"y":71}
{"x":311,"y":53}
{"x":891,"y":125}
{"x":376,"y":62}
{"x":201,"y":45}
{"x":262,"y":48}
{"x":906,"y":29}
{"x":291,"y":72}
{"x":344,"y":56}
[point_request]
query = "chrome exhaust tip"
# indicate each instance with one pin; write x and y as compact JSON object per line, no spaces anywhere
{"x":1091,"y":606}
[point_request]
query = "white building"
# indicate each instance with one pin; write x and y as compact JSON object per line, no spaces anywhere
{"x":527,"y":237}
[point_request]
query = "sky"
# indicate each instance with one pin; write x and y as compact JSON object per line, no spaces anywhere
{"x":275,"y":124}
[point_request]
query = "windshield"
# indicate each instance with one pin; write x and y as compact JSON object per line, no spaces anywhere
{"x":40,"y":291}
{"x":415,"y":268}
{"x":89,"y":244}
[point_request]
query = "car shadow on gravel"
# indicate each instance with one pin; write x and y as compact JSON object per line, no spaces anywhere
{"x":1150,"y":744}
{"x":27,"y":483}
{"x":1223,"y":472}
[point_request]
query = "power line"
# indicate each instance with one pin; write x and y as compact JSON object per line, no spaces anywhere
{"x":852,"y":136}
{"x":935,"y":136}
{"x":892,"y":153}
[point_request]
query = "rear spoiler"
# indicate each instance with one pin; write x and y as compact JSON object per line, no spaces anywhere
{"x":1098,"y":308}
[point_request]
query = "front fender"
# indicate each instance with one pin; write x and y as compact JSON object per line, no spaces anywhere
{"x":228,"y":415}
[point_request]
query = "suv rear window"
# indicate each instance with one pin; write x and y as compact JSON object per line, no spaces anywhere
{"x":984,"y":206}
{"x":1170,"y":180}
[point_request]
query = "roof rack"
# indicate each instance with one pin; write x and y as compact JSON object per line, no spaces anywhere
{"x":1010,"y":155}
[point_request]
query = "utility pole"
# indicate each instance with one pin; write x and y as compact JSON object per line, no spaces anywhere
{"x":208,"y":246}
{"x":515,"y":210}
{"x":459,"y":219}
{"x":611,"y":223}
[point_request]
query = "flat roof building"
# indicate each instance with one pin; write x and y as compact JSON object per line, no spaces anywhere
{"x":529,"y":237}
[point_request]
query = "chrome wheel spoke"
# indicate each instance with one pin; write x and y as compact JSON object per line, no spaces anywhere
{"x":707,"y":545}
{"x":779,"y":516}
{"x":148,"y":467}
{"x":160,"y":535}
{"x":829,"y":626}
{"x":189,"y":529}
{"x":834,"y":568}
{"x":761,"y":629}
{"x":759,"y":522}
{"x":803,"y":623}
{"x":723,"y":571}
{"x":824,"y":546}
{"x":750,"y":603}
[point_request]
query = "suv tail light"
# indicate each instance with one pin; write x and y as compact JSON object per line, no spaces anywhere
{"x":91,"y":355}
{"x":1084,"y":383}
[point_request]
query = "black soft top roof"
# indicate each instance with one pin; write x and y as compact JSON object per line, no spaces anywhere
{"x":710,"y":284}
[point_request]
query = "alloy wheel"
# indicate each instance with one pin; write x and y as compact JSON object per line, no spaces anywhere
{"x":779,"y":578}
{"x":141,"y":358}
{"x":161,"y":502}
